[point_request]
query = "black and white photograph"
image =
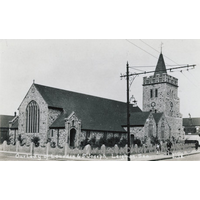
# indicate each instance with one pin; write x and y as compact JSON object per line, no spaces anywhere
{"x":74,"y":104}
{"x":110,"y":84}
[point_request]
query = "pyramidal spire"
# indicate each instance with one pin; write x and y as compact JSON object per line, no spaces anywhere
{"x":160,"y":67}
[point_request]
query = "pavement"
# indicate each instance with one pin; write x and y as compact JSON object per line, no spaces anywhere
{"x":18,"y":156}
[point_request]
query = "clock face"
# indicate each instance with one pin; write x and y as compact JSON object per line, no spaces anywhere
{"x":153,"y":104}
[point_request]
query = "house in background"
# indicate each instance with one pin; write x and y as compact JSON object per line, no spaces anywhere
{"x":192,"y":129}
{"x":4,"y":127}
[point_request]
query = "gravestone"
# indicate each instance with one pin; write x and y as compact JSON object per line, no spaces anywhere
{"x":132,"y":149}
{"x":17,"y":146}
{"x":66,"y":149}
{"x":126,"y":149}
{"x":47,"y":149}
{"x":136,"y":148}
{"x":88,"y":149}
{"x":32,"y":148}
{"x":116,"y":149}
{"x":103,"y":149}
{"x":4,"y":145}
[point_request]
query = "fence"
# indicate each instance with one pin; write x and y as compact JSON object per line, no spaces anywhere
{"x":105,"y":151}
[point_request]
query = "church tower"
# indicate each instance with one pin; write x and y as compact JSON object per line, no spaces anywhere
{"x":160,"y":95}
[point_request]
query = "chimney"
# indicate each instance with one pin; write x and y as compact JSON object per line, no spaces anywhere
{"x":15,"y":114}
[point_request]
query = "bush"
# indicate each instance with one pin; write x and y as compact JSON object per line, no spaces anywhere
{"x":35,"y":140}
{"x":92,"y":141}
{"x":123,"y":141}
{"x":21,"y":140}
{"x":101,"y":141}
{"x":138,"y":142}
{"x":154,"y":140}
{"x":53,"y":145}
{"x":109,"y":142}
{"x":116,"y":140}
{"x":84,"y":143}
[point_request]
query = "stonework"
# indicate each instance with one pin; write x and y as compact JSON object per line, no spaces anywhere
{"x":163,"y":128}
{"x":160,"y":94}
{"x":33,"y":95}
{"x":72,"y":123}
{"x":53,"y":115}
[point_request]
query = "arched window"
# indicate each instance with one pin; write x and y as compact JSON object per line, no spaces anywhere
{"x":156,"y":93}
{"x":150,"y":128}
{"x":32,"y":117}
{"x":162,"y":130}
{"x":151,"y":93}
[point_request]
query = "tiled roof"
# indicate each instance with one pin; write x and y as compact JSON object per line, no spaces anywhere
{"x":157,"y":116}
{"x":4,"y":120}
{"x":95,"y":113}
{"x":191,"y":121}
{"x":137,"y":119}
{"x":15,"y":124}
{"x":160,"y":68}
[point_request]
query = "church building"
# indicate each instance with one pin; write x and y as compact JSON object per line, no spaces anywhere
{"x":69,"y":117}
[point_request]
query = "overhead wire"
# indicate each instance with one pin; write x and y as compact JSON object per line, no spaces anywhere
{"x":141,"y":48}
{"x":156,"y":58}
{"x":194,"y":78}
{"x":159,"y":52}
{"x":189,"y":80}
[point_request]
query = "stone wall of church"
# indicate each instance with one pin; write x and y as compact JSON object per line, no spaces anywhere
{"x":159,"y":101}
{"x":58,"y":136}
{"x":172,"y":102}
{"x":53,"y":115}
{"x":138,"y":132}
{"x":33,"y":94}
{"x":62,"y":138}
{"x":166,"y":101}
{"x":163,"y":126}
{"x":147,"y":128}
{"x":176,"y":127}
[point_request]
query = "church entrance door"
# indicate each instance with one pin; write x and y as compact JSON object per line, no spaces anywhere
{"x":72,"y":137}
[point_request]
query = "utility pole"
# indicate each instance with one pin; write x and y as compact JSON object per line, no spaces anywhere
{"x":128,"y":100}
{"x":128,"y":114}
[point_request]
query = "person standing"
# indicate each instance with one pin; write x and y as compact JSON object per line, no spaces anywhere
{"x":157,"y":148}
{"x":196,"y":145}
{"x":169,"y":145}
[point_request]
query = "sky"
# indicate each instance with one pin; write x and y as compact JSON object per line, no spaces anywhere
{"x":93,"y":66}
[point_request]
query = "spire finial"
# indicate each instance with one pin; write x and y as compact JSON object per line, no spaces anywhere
{"x":33,"y":80}
{"x":161,"y":46}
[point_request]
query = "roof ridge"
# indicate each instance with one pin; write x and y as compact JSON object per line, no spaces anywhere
{"x":79,"y":93}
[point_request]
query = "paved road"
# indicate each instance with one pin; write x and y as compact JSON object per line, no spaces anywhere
{"x":195,"y":157}
{"x":18,"y":157}
{"x":4,"y":156}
